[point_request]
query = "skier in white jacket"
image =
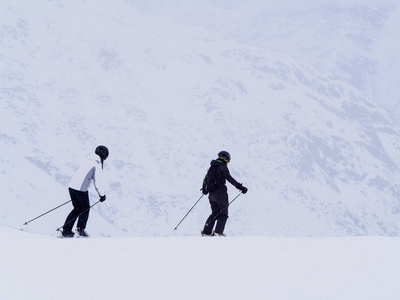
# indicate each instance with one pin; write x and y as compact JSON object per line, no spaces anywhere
{"x":90,"y":171}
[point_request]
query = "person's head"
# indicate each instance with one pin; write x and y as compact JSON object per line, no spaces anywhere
{"x":225,"y":156}
{"x":102,"y":151}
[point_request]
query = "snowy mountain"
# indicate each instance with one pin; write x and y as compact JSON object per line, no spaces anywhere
{"x":317,"y":151}
{"x":355,"y":40}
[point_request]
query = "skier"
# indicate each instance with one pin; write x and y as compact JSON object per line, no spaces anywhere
{"x":218,"y":195}
{"x":90,"y":170}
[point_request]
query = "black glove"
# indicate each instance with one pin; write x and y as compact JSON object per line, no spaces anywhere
{"x":204,"y":191}
{"x":243,"y":189}
{"x":102,"y":198}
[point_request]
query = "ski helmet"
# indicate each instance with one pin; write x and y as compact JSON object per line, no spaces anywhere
{"x":102,"y":151}
{"x":225,"y":156}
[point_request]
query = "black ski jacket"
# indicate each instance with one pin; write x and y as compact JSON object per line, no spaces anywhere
{"x":223,"y":174}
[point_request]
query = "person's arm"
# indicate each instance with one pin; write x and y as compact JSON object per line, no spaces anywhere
{"x":98,"y":182}
{"x":232,"y":180}
{"x":227,"y":175}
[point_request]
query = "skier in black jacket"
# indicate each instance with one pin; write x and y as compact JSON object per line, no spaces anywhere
{"x":219,"y":197}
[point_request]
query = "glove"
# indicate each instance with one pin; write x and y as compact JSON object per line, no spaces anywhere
{"x":102,"y":198}
{"x":244,"y":189}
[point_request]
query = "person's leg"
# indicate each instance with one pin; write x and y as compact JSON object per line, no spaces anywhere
{"x":71,"y":218}
{"x":85,"y":205}
{"x":209,"y":225}
{"x":223,"y":204}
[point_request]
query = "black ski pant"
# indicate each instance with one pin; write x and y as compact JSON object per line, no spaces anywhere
{"x":219,"y":211}
{"x":80,"y":201}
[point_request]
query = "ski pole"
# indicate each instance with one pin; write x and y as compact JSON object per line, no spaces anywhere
{"x":74,"y":219}
{"x":225,"y":207}
{"x":176,"y":227}
{"x":26,"y":223}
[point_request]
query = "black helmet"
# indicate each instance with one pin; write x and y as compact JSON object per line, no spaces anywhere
{"x":225,"y":156}
{"x":102,"y":151}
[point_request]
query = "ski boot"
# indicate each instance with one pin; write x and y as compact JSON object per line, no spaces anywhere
{"x":204,"y":234}
{"x":218,"y":234}
{"x":82,"y":232}
{"x":67,"y":233}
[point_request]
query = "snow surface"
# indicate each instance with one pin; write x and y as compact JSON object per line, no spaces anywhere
{"x":39,"y":267}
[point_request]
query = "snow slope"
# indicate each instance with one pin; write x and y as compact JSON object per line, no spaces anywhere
{"x":39,"y":267}
{"x":319,"y":156}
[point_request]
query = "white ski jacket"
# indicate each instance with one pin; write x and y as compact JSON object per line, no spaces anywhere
{"x":89,"y":171}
